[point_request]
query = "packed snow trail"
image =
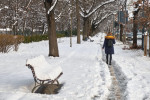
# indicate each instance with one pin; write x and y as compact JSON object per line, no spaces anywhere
{"x":135,"y":72}
{"x":115,"y":93}
{"x":117,"y":88}
{"x":132,"y":72}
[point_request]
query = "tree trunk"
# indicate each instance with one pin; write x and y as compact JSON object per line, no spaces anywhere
{"x":85,"y":28}
{"x":145,"y":45}
{"x":92,"y":29}
{"x":14,"y":30}
{"x":89,"y":29}
{"x":17,"y":29}
{"x":23,"y":29}
{"x":53,"y":47}
{"x":71,"y":26}
{"x":43,"y":28}
{"x":78,"y":22}
{"x":121,"y":31}
{"x":135,"y":26}
{"x":149,"y":45}
{"x":32,"y":28}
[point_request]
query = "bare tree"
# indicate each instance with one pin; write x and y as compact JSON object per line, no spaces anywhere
{"x":102,"y":15}
{"x":53,"y":47}
{"x":144,"y":19}
{"x":135,"y":22}
{"x":78,"y":22}
{"x":88,"y":8}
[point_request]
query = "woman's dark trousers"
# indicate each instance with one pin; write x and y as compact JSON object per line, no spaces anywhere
{"x":110,"y":56}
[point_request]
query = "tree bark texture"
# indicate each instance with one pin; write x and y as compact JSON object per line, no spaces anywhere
{"x":121,"y":32}
{"x":135,"y":26}
{"x":145,"y":45}
{"x":85,"y":28}
{"x":149,"y":45}
{"x":53,"y":46}
{"x":78,"y":22}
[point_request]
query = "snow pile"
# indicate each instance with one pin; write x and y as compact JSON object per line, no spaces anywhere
{"x":44,"y":70}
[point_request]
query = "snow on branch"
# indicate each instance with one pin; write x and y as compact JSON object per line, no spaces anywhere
{"x":91,"y":7}
{"x":58,"y":17}
{"x":81,"y":9}
{"x":6,"y":7}
{"x":51,"y":8}
{"x":15,"y":23}
{"x":103,"y":18}
{"x":29,"y":4}
{"x":107,"y":2}
{"x":102,"y":4}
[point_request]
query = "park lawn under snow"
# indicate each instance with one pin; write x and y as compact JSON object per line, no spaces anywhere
{"x":85,"y":75}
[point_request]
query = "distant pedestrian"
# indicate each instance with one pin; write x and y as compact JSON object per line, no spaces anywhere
{"x":108,"y":45}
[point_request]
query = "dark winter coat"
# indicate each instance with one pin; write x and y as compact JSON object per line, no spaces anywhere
{"x":109,"y":50}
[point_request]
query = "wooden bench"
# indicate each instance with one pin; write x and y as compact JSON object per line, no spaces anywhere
{"x":43,"y":72}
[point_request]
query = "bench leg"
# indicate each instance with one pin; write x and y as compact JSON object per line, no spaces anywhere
{"x":53,"y":82}
{"x":57,"y":82}
{"x":33,"y":90}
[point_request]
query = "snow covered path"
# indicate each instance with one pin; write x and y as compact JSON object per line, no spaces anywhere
{"x":115,"y":93}
{"x":136,"y":71}
{"x":132,"y":70}
{"x":83,"y":71}
{"x":86,"y":76}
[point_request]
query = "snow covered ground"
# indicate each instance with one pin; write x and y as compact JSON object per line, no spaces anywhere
{"x":136,"y":69}
{"x":85,"y":75}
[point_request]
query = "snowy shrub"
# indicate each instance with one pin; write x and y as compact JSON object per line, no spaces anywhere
{"x":17,"y":39}
{"x":59,"y":35}
{"x":66,"y":33}
{"x":5,"y":42}
{"x":8,"y":42}
{"x":35,"y":38}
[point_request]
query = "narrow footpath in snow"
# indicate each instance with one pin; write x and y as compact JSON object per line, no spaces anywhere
{"x":115,"y":93}
{"x":118,"y":84}
{"x":132,"y":72}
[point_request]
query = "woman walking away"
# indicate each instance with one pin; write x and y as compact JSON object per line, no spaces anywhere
{"x":108,"y":45}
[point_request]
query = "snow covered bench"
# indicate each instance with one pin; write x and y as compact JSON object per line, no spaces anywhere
{"x":91,"y":40}
{"x":43,"y":72}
